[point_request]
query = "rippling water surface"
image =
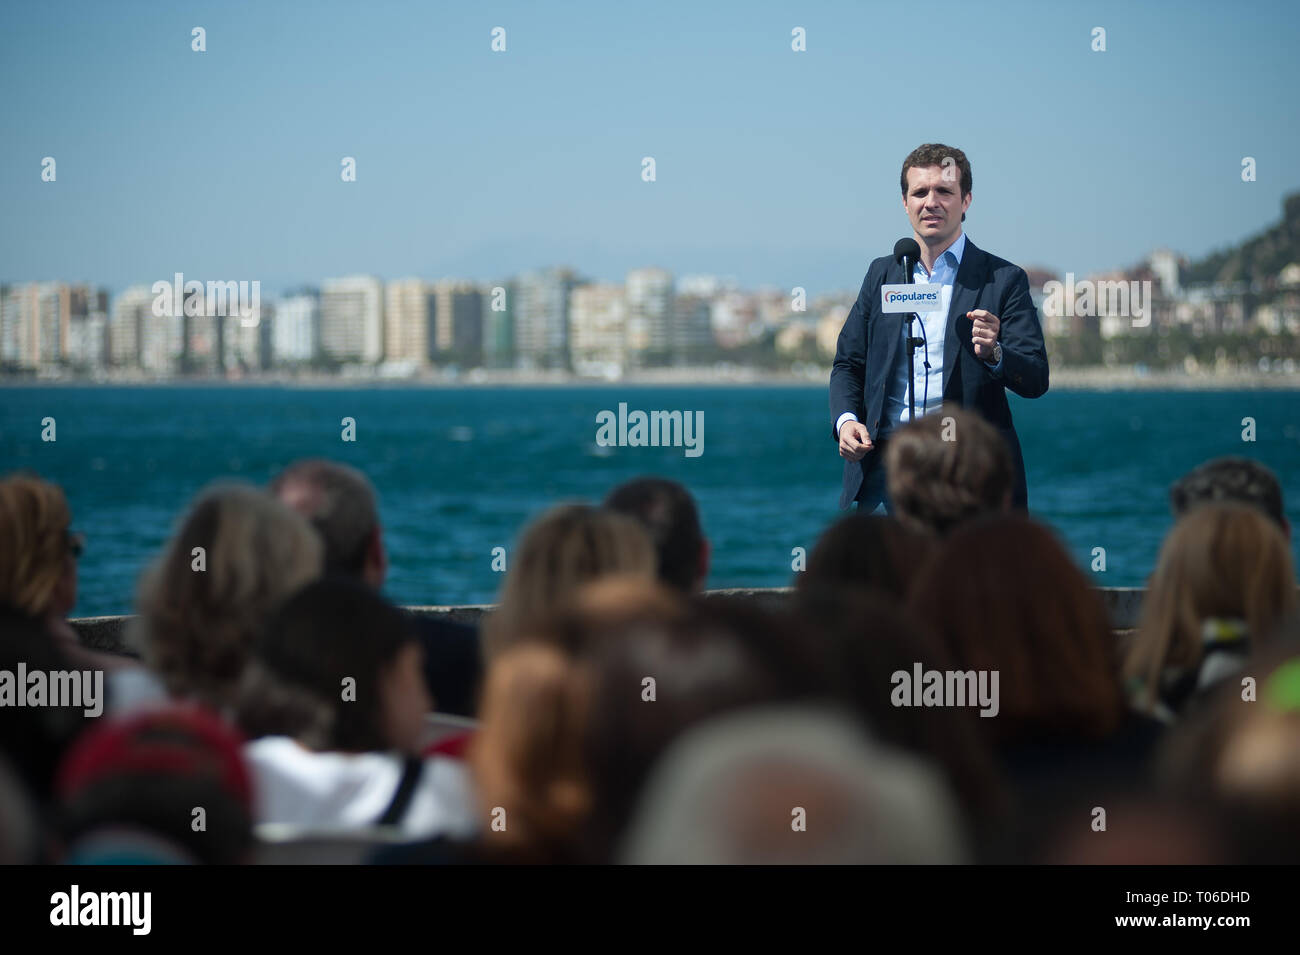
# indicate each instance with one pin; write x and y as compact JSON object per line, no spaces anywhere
{"x":460,"y":471}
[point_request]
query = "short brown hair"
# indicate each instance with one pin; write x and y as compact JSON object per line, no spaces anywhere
{"x":935,"y":154}
{"x":864,"y":551}
{"x":340,"y":504}
{"x":935,"y":481}
{"x":1230,"y":478}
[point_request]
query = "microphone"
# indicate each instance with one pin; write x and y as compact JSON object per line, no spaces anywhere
{"x":908,"y":249}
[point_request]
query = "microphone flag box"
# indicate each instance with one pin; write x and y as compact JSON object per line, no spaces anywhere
{"x":911,"y":298}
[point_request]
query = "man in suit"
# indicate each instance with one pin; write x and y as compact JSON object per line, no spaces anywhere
{"x":984,"y":337}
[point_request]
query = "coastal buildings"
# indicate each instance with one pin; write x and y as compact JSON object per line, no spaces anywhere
{"x":598,"y":330}
{"x":409,"y":322}
{"x":295,"y":328}
{"x":458,"y":323}
{"x":47,"y":325}
{"x":649,"y":296}
{"x":542,"y":318}
{"x":552,"y":320}
{"x":352,"y":319}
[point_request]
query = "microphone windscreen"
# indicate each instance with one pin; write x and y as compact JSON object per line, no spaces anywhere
{"x":907,"y":248}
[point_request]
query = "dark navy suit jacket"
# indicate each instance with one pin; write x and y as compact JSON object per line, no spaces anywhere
{"x":872,"y":340}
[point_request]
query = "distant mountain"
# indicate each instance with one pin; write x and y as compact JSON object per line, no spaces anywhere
{"x":1259,"y":258}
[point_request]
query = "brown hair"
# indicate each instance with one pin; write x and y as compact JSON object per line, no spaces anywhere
{"x":947,"y":468}
{"x":1220,"y":560}
{"x":196,"y":628}
{"x":934,"y":154}
{"x":339,"y":501}
{"x":1230,"y":478}
{"x":568,"y":546}
{"x":527,"y":754}
{"x":867,"y":551}
{"x":34,"y":520}
{"x":1003,"y":594}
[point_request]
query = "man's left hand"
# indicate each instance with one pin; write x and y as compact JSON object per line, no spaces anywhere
{"x":984,"y":333}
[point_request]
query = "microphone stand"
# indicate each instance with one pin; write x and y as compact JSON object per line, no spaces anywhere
{"x":908,"y":266}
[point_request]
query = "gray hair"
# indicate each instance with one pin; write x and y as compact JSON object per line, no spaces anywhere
{"x":236,"y":555}
{"x":791,"y":785}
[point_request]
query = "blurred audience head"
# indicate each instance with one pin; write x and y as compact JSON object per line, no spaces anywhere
{"x":862,"y":640}
{"x":340,"y":502}
{"x":237,"y":554}
{"x":337,"y":667}
{"x":1224,"y":576}
{"x":868,"y":552}
{"x":529,"y":752}
{"x":1231,"y":478}
{"x":1142,"y":828}
{"x":527,"y":755}
{"x":1003,"y":595}
{"x":656,"y":678}
{"x":667,"y":512}
{"x":568,"y":546}
{"x":947,"y":468}
{"x":791,"y":786}
{"x":132,"y":791}
{"x":38,"y":562}
{"x":1239,"y":754}
{"x":33,"y":738}
{"x":20,"y":829}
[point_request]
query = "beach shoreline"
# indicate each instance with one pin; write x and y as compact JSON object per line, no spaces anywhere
{"x":1062,"y":379}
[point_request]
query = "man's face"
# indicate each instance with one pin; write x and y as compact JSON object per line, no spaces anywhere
{"x":934,"y":204}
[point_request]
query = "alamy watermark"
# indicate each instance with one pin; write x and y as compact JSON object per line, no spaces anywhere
{"x":75,"y":907}
{"x":55,"y":688}
{"x":1089,"y":299}
{"x":654,"y":429}
{"x":924,"y":687}
{"x":217,"y":299}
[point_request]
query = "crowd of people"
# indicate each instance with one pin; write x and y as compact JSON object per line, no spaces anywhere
{"x":608,"y":710}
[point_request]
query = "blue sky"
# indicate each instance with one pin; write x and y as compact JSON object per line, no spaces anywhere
{"x":775,"y":167}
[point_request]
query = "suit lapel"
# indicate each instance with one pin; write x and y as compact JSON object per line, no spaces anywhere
{"x":890,"y":326}
{"x":965,"y":295}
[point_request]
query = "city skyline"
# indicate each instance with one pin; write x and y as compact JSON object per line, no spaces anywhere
{"x":549,"y":319}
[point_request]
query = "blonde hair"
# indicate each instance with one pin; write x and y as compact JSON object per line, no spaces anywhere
{"x":568,"y":546}
{"x":34,"y":521}
{"x":527,"y":755}
{"x":1220,"y":560}
{"x":197,"y":621}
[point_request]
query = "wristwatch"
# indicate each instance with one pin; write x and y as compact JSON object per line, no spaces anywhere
{"x":997,"y":354}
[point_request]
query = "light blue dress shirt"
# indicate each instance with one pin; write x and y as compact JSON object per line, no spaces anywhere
{"x":933,"y":327}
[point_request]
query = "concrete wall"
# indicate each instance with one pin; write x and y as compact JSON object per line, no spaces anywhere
{"x":106,"y":633}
